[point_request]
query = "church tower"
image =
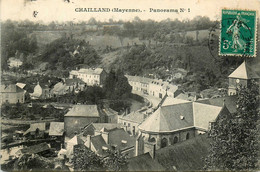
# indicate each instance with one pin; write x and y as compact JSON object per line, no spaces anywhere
{"x":241,"y":76}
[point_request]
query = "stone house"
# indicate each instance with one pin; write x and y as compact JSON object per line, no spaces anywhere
{"x":11,"y":93}
{"x":139,"y":83}
{"x":80,"y":116}
{"x":91,"y":76}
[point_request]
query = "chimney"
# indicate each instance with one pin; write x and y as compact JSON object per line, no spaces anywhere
{"x":88,"y":142}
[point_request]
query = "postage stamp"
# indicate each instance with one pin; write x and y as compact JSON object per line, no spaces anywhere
{"x":238,"y":33}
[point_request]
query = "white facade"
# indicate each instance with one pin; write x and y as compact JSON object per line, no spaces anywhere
{"x":90,"y":76}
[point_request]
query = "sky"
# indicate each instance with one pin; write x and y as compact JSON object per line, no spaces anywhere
{"x":60,"y":11}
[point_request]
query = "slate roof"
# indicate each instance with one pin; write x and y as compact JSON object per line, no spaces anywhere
{"x":35,"y":149}
{"x":10,"y":88}
{"x":134,"y":116}
{"x":91,"y":128}
{"x":83,"y":111}
{"x":203,"y":114}
{"x":116,"y":136}
{"x":70,"y":82}
{"x":168,"y":118}
{"x":244,"y":71}
{"x":144,"y":162}
{"x":180,"y":116}
{"x":230,"y":102}
{"x":33,"y":127}
{"x":96,"y":71}
{"x":171,"y":101}
{"x":56,"y":129}
{"x":185,"y":156}
{"x":21,"y":85}
{"x":98,"y":142}
{"x":108,"y":126}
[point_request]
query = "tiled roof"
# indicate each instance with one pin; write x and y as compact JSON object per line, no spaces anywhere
{"x":244,"y":71}
{"x":56,"y":129}
{"x":83,"y":111}
{"x":10,"y":88}
{"x":169,"y":118}
{"x":134,"y":116}
{"x":33,"y":127}
{"x":144,"y":162}
{"x":96,"y":71}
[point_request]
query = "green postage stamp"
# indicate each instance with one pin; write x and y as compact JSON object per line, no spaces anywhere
{"x":238,"y":33}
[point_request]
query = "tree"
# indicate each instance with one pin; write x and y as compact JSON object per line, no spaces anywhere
{"x":116,"y":85}
{"x":115,"y":161}
{"x":86,"y":160}
{"x":234,"y":143}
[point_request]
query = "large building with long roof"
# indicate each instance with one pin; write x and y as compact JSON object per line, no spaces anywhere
{"x":173,"y":123}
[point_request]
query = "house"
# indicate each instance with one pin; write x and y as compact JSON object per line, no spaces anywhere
{"x":110,"y":115}
{"x":80,"y":116}
{"x":132,"y":120}
{"x":111,"y":139}
{"x":171,"y":124}
{"x":240,"y":77}
{"x":11,"y":93}
{"x":21,"y":85}
{"x":91,"y":76}
{"x":57,"y":131}
{"x":14,"y":62}
{"x":159,"y":88}
{"x":36,"y":131}
{"x":41,"y":91}
{"x":68,"y":86}
{"x":139,"y":83}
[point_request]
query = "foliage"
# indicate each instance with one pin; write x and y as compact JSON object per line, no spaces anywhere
{"x":92,"y":95}
{"x":64,"y":53}
{"x":14,"y":40}
{"x":116,"y":85}
{"x":86,"y":160}
{"x":234,"y":136}
{"x":115,"y":161}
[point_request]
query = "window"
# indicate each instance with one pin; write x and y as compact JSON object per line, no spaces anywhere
{"x":187,"y":136}
{"x":175,"y":140}
{"x":128,"y":124}
{"x":124,"y":123}
{"x":133,"y":129}
{"x":164,"y":142}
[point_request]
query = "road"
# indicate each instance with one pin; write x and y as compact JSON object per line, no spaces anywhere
{"x":154,"y":100}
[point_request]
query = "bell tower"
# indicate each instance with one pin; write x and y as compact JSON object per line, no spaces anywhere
{"x":240,"y":77}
